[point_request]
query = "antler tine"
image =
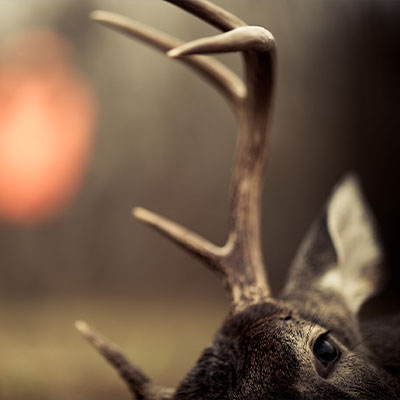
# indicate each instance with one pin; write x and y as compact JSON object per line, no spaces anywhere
{"x":190,"y":241}
{"x":230,"y":85}
{"x":139,"y":384}
{"x":211,"y":13}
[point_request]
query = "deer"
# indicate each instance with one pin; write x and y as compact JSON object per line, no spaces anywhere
{"x":307,"y":342}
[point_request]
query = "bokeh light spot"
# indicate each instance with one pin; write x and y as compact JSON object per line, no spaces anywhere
{"x":47,"y":116}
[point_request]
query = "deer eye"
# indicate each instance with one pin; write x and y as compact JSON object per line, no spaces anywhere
{"x":326,"y":352}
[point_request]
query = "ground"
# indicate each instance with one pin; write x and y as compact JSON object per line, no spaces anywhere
{"x":43,"y":357}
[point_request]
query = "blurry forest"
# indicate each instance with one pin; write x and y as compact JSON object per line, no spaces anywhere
{"x":163,"y":139}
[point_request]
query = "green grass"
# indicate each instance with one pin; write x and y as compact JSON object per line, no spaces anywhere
{"x":43,"y":357}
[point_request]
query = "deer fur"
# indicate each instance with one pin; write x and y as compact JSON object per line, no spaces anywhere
{"x":306,"y":343}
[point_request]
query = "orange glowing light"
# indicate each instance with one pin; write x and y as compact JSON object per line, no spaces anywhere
{"x":47,"y":114}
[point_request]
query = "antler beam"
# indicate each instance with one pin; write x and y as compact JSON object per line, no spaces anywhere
{"x":239,"y":261}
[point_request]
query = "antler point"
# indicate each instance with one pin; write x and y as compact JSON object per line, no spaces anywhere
{"x":139,"y":212}
{"x":97,"y":15}
{"x":83,"y":328}
{"x":174,"y":53}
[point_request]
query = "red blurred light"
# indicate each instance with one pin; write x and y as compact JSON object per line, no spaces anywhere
{"x":47,"y":114}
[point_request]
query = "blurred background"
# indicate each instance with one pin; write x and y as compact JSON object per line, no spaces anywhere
{"x":93,"y":123}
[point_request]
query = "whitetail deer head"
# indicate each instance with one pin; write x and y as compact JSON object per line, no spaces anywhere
{"x":306,"y":343}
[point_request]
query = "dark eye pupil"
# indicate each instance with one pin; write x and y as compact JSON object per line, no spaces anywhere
{"x":324,"y":350}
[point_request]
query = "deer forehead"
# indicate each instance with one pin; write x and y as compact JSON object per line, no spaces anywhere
{"x":270,"y":327}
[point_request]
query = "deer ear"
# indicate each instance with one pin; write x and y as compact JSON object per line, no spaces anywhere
{"x":341,"y":252}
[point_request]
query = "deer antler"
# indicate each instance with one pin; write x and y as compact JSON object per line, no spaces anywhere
{"x":138,"y":383}
{"x":239,"y":261}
